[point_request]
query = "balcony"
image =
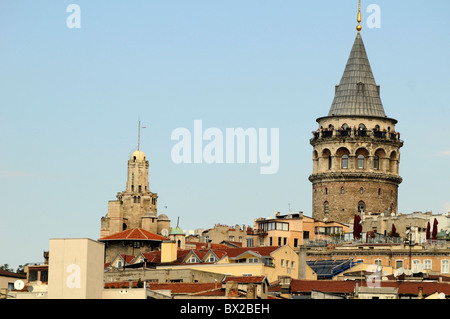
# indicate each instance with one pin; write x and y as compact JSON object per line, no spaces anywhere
{"x":355,"y":134}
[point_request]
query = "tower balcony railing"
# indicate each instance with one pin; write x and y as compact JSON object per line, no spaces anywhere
{"x":360,"y":133}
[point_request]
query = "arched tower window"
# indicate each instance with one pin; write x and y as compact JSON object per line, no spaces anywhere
{"x":344,"y":161}
{"x":376,"y":162}
{"x":361,"y":207}
{"x":361,"y":161}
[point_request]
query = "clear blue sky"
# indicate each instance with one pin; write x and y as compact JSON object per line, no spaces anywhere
{"x":70,"y":100}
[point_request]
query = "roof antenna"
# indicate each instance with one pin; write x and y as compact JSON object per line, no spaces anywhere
{"x":359,"y":28}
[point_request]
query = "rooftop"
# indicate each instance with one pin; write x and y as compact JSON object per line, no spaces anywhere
{"x":357,"y":93}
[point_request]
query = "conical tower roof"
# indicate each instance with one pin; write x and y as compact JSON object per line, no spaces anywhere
{"x":357,"y":94}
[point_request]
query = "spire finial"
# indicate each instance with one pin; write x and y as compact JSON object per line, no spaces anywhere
{"x":359,"y":17}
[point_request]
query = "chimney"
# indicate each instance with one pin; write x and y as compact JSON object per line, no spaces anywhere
{"x":231,"y":289}
{"x":251,"y":291}
{"x":420,"y":295}
{"x":168,"y":251}
{"x":209,"y":243}
{"x":302,"y":262}
{"x":285,"y":284}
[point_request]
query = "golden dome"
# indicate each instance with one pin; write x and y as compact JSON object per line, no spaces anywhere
{"x":138,"y":156}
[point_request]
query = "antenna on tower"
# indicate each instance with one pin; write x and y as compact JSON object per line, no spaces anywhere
{"x":139,"y":134}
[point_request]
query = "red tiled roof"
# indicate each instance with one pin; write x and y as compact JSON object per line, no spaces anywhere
{"x":205,"y":245}
{"x":5,"y":273}
{"x":185,"y":287}
{"x":245,"y":279}
{"x":127,"y":258}
{"x":348,"y":286}
{"x":135,"y":234}
{"x":263,"y":251}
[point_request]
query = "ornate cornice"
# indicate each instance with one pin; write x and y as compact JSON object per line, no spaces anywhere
{"x":355,"y":176}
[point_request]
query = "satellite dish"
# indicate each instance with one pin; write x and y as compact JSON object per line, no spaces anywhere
{"x":165,"y":232}
{"x":19,"y":284}
{"x":441,"y":295}
{"x":30,"y":288}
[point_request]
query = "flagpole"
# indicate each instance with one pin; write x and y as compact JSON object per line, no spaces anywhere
{"x":139,"y":134}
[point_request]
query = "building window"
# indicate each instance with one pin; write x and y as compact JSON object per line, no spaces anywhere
{"x":326,"y":208}
{"x":342,"y":190}
{"x":379,"y":191}
{"x":329,"y":162}
{"x":279,"y":241}
{"x":295,"y":242}
{"x":361,"y":207}
{"x":326,"y":191}
{"x":416,"y":265}
{"x":398,"y":264}
{"x":361,"y":161}
{"x":427,"y":264}
{"x":361,"y":190}
{"x":376,"y":162}
{"x":445,"y":266}
{"x":270,"y":241}
{"x":344,"y":161}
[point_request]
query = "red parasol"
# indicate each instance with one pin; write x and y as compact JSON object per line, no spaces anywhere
{"x":435,"y":229}
{"x":357,"y":227}
{"x":394,"y":231}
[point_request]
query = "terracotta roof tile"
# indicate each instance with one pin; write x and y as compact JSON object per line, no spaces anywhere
{"x":185,"y":287}
{"x":245,"y":279}
{"x":135,"y":234}
{"x":348,"y":286}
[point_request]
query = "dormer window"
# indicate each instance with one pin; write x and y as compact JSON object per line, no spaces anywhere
{"x":360,"y":87}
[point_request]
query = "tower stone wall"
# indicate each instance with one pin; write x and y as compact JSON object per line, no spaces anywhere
{"x":136,"y":206}
{"x":356,"y":149}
